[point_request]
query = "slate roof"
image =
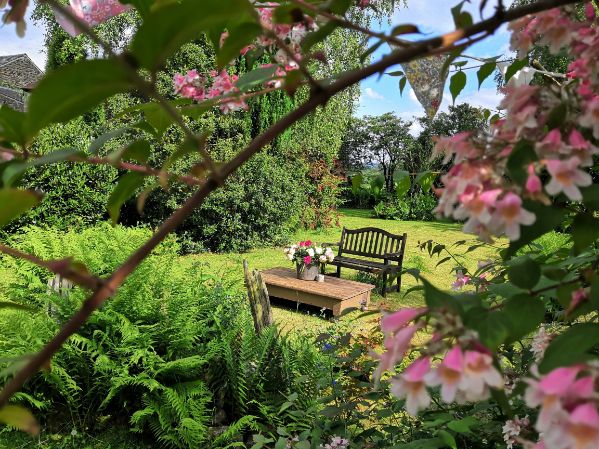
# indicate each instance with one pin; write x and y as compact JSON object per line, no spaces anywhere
{"x":19,"y":71}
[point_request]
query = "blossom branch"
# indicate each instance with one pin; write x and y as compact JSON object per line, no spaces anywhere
{"x":419,"y":49}
{"x":144,"y":86}
{"x":94,"y":160}
{"x":63,"y":267}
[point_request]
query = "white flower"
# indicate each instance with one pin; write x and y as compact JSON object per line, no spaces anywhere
{"x":319,"y":250}
{"x":512,"y":429}
{"x":290,"y":256}
{"x":539,"y":343}
{"x":310,"y":252}
{"x":322,"y":259}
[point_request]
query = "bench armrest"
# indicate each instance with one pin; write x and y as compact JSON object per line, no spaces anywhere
{"x":393,"y":256}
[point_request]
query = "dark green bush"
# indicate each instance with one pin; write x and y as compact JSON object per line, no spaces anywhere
{"x":174,"y":354}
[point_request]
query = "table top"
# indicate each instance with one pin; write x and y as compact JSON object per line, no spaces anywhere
{"x":332,"y":287}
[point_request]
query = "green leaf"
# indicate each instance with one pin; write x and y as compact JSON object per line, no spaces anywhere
{"x":514,"y":67}
{"x":340,"y":7}
{"x":437,"y":299}
{"x":139,"y":151}
{"x":168,"y":27}
{"x":15,"y":202}
{"x":585,"y":231}
{"x":402,"y":85}
{"x":571,"y":347}
{"x":557,"y":116}
{"x":463,"y":425}
{"x":484,"y":72}
{"x":157,"y":117}
{"x":525,"y":313}
{"x":447,"y":438}
{"x":590,"y":196}
{"x":73,"y":89}
{"x":19,"y":417}
{"x":403,"y":183}
{"x":356,"y":182}
{"x":239,"y":37}
{"x":14,"y":171}
{"x":457,"y":83}
{"x":101,"y":140}
{"x":404,"y":29}
{"x":126,"y":187}
{"x":524,"y":272}
{"x":319,"y":35}
{"x":493,"y":327}
{"x":12,"y":126}
{"x":186,"y":148}
{"x":548,"y":218}
{"x":371,"y":50}
{"x":426,"y":180}
{"x":521,"y":156}
{"x":255,"y":78}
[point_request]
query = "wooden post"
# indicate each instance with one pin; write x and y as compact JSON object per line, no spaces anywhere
{"x":258,"y":297}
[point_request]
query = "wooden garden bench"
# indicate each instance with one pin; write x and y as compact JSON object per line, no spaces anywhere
{"x":385,"y":248}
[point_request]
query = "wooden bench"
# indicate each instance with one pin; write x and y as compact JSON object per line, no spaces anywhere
{"x":372,"y":243}
{"x":334,"y":294}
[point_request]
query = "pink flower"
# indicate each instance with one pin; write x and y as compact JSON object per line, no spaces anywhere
{"x":307,"y":260}
{"x":533,"y":182}
{"x":393,"y":322}
{"x":583,"y":427}
{"x":582,"y":148}
{"x":548,"y":393}
{"x":479,"y":375}
{"x":410,"y":385}
{"x":460,"y":281}
{"x":396,"y":347}
{"x":308,"y":243}
{"x":448,"y":374}
{"x":566,"y":177}
{"x":5,"y":157}
{"x":578,"y":297}
{"x":509,"y":215}
{"x":551,"y":144}
{"x":590,"y":119}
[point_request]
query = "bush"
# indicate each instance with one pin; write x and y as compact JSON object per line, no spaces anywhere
{"x":417,"y":207}
{"x":174,"y":353}
{"x":261,"y":204}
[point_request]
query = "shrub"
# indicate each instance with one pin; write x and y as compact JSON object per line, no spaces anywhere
{"x":174,"y":353}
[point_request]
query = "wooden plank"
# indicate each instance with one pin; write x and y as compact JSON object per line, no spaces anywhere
{"x":333,"y":287}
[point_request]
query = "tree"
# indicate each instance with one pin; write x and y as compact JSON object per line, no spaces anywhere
{"x":382,"y":141}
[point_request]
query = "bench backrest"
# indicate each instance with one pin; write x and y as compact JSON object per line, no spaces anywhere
{"x":371,"y":242}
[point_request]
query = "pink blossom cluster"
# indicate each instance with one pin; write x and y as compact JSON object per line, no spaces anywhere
{"x":476,"y":188}
{"x":568,"y":416}
{"x":465,"y":373}
{"x":92,"y":12}
{"x":337,"y":442}
{"x":512,"y":429}
{"x":194,"y":86}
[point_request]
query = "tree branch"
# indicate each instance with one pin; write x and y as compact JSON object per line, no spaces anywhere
{"x":444,"y":43}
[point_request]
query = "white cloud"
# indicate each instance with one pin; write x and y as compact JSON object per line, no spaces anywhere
{"x":371,"y":93}
{"x":412,"y":95}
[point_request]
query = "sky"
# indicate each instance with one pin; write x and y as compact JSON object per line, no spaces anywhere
{"x":378,"y":95}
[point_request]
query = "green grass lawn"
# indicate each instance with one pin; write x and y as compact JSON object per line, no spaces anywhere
{"x":229,"y":266}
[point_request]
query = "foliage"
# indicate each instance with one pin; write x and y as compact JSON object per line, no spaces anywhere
{"x":383,"y":142}
{"x":174,"y":352}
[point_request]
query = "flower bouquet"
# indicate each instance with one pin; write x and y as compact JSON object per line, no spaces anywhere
{"x":309,"y":258}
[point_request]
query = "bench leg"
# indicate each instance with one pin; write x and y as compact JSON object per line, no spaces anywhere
{"x":338,"y":272}
{"x":384,"y":287}
{"x":399,"y":283}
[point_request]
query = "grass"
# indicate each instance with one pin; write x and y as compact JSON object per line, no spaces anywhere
{"x":229,"y":266}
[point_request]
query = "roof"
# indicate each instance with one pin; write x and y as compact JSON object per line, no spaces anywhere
{"x":19,"y":71}
{"x":13,"y":98}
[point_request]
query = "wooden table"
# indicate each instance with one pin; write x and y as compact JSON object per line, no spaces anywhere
{"x":334,"y":293}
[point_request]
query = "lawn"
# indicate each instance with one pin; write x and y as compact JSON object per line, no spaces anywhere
{"x":229,"y":266}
